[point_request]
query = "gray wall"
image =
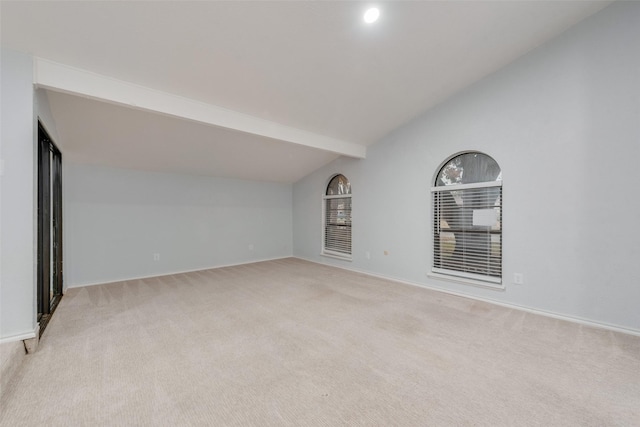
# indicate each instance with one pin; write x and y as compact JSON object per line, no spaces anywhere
{"x":115,"y":220}
{"x":17,"y":198}
{"x":563,"y":122}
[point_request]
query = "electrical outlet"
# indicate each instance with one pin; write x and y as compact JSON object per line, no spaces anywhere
{"x":251,"y":247}
{"x":367,"y":254}
{"x":518,"y":278}
{"x":156,"y":257}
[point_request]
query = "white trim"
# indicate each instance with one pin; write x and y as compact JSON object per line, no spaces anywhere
{"x":572,"y":319}
{"x":337,"y":196}
{"x":63,"y":78}
{"x":20,"y":337}
{"x":336,"y":255}
{"x":470,"y":279}
{"x":454,"y":187}
{"x":153,"y":276}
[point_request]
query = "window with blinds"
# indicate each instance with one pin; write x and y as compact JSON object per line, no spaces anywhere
{"x":337,"y":218}
{"x":467,"y":226}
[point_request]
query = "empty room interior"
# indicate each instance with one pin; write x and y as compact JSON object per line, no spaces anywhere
{"x":419,"y":213}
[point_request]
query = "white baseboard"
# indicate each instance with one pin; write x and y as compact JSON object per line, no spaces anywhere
{"x":560,"y":316}
{"x":153,"y":276}
{"x":20,"y":337}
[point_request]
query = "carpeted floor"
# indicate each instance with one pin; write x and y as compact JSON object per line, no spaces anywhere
{"x":294,"y":343}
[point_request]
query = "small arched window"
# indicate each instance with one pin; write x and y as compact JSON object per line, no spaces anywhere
{"x":467,"y":213}
{"x":337,"y":218}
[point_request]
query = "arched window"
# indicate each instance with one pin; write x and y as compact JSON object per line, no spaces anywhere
{"x":337,"y":218}
{"x":467,"y":213}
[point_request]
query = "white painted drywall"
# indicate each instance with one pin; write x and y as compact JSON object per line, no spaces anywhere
{"x":17,"y":198}
{"x":45,"y":116}
{"x":563,"y":122}
{"x":117,"y":219}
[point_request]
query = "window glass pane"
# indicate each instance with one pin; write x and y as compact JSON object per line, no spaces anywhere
{"x":469,"y":168}
{"x":338,"y":185}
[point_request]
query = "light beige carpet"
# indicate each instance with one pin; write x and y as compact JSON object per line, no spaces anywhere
{"x":295,"y":343}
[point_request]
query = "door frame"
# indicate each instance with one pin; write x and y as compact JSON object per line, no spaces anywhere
{"x":50,"y":283}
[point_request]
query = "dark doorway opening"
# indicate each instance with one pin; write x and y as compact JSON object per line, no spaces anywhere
{"x":49,"y":227}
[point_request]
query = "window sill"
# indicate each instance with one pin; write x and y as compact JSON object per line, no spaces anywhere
{"x":499,"y":286}
{"x":336,"y":256}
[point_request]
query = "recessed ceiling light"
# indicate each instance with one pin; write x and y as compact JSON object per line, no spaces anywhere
{"x":371,"y":15}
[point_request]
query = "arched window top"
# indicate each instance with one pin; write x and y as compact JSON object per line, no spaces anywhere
{"x":339,"y":184}
{"x":468,"y":168}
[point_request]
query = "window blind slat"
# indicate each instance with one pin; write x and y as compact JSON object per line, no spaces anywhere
{"x":467,"y":230}
{"x":337,"y":220}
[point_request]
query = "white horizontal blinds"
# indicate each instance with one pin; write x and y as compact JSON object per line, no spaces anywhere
{"x":468,"y":230}
{"x":467,"y":226}
{"x":338,"y":225}
{"x":337,"y":220}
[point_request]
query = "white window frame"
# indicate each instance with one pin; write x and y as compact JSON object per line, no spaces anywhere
{"x":329,"y":252}
{"x":452,"y":274}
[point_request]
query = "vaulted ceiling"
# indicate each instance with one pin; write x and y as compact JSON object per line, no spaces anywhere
{"x":260,"y":90}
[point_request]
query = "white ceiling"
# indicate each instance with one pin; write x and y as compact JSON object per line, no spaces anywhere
{"x":309,"y":65}
{"x":103,"y":133}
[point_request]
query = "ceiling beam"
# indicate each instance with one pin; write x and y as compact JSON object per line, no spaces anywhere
{"x":62,"y":78}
